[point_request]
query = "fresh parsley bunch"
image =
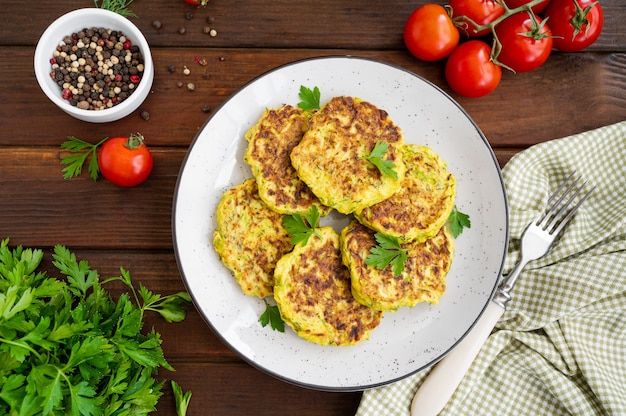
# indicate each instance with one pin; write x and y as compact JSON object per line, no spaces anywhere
{"x":68,"y":348}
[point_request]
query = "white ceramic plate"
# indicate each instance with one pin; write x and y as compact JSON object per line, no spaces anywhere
{"x":407,"y":340}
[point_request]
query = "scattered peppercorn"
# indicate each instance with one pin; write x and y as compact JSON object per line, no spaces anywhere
{"x":171,"y":68}
{"x":179,"y":84}
{"x":206,"y":75}
{"x":191,"y":87}
{"x":222,"y":58}
{"x":182,"y":30}
{"x":145,"y":115}
{"x":206,"y":29}
{"x":206,"y":108}
{"x":189,"y":16}
{"x":210,"y":19}
{"x":157,"y":24}
{"x":96,"y":68}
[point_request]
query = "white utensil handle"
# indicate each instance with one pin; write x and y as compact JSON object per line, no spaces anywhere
{"x":446,"y":376}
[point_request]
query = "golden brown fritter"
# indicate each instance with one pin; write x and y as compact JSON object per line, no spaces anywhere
{"x":250,"y":238}
{"x":312,"y":291}
{"x":423,"y":203}
{"x":423,"y":279}
{"x":270,"y":142}
{"x":331,"y":158}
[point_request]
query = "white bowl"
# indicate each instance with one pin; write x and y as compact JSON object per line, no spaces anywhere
{"x":73,"y":22}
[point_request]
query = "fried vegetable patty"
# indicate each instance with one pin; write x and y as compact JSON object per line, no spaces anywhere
{"x":423,"y":279}
{"x":423,"y":203}
{"x":250,"y":238}
{"x":312,"y":291}
{"x":331,"y":157}
{"x":270,"y":143}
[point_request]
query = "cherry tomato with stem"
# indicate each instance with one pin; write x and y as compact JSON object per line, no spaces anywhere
{"x":523,"y":42}
{"x":537,"y":8}
{"x":575,"y":24}
{"x":197,"y":2}
{"x":125,"y":161}
{"x":429,"y":33}
{"x":480,"y":12}
{"x":470,"y":72}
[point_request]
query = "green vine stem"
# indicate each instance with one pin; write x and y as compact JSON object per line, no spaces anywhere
{"x":496,"y":46}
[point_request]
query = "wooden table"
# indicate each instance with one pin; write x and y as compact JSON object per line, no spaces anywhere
{"x":112,"y":227}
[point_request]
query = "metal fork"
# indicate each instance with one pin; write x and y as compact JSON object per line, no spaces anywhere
{"x":536,"y":241}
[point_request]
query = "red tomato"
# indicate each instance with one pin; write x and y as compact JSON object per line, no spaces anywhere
{"x":197,"y":2}
{"x":526,"y":42}
{"x":125,"y":161}
{"x":575,"y":24}
{"x":481,"y":12}
{"x":470,"y":71}
{"x":537,"y":8}
{"x":429,"y":33}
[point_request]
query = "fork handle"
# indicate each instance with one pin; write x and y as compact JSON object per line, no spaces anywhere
{"x":438,"y":387}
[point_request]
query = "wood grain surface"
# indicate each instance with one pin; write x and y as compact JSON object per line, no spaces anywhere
{"x":112,"y":227}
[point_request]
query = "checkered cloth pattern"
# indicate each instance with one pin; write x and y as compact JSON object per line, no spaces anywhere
{"x":560,"y":347}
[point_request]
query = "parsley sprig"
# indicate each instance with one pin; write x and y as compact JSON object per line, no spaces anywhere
{"x":67,"y":347}
{"x":302,"y":228}
{"x":376,"y":158}
{"x":117,"y":6}
{"x":310,"y":98}
{"x":457,"y":221}
{"x":272,"y":317}
{"x":181,"y":399}
{"x":81,"y":152}
{"x":388,"y":251}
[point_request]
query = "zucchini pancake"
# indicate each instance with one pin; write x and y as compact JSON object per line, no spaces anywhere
{"x":250,"y":238}
{"x":270,"y":142}
{"x":423,"y":203}
{"x":332,"y":156}
{"x":312,"y":291}
{"x":423,"y":278}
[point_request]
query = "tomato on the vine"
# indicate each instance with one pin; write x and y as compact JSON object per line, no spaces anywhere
{"x":575,"y":24}
{"x":526,"y":41}
{"x":537,"y":8}
{"x":429,"y":33}
{"x":481,"y":12}
{"x":470,"y":72}
{"x":125,"y":161}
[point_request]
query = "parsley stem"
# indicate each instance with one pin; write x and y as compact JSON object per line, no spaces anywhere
{"x":21,"y":345}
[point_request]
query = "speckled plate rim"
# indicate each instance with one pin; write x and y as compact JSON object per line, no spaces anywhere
{"x":407,"y":340}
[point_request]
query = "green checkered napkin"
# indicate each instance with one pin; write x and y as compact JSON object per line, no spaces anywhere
{"x":560,"y":348}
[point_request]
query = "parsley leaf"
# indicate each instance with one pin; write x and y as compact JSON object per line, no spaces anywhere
{"x":81,"y":151}
{"x":182,"y":400}
{"x":386,"y":167}
{"x":310,"y":98}
{"x":118,"y":6}
{"x":272,"y":317}
{"x":457,"y":221}
{"x":301,"y":228}
{"x":387,"y":252}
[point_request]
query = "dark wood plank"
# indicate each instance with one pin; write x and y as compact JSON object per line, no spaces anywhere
{"x":554,"y":96}
{"x":40,"y":207}
{"x":238,"y":389}
{"x":364,"y":25}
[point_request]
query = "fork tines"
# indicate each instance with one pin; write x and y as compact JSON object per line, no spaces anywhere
{"x":559,"y":209}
